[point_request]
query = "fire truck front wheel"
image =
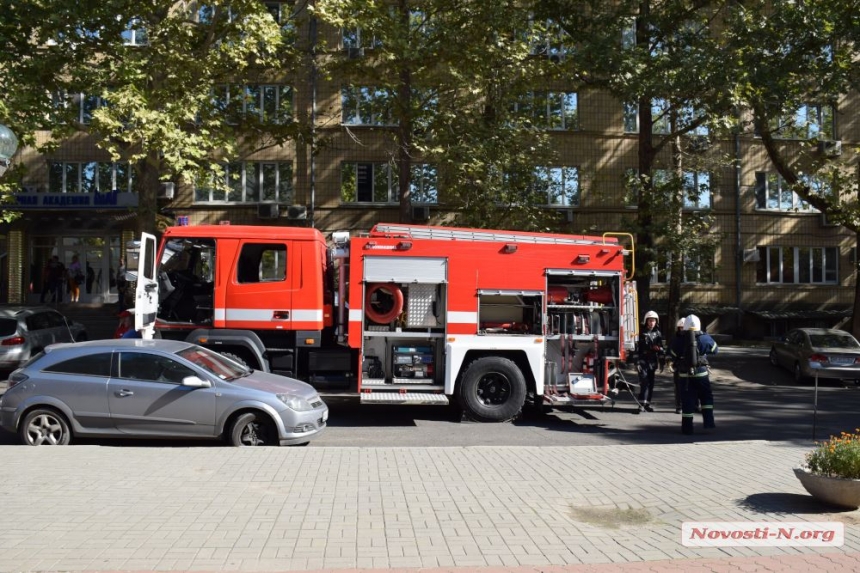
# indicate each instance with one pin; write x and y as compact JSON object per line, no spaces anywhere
{"x":493,"y":389}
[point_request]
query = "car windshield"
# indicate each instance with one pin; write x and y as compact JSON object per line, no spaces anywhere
{"x":832,"y":340}
{"x":214,"y":363}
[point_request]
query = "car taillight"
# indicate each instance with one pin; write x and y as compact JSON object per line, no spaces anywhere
{"x":14,"y":341}
{"x":818,"y":358}
{"x":857,"y":360}
{"x":16,"y":378}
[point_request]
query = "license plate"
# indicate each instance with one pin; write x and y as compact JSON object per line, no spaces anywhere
{"x":842,"y":360}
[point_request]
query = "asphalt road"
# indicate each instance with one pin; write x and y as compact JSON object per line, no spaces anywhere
{"x":753,"y":401}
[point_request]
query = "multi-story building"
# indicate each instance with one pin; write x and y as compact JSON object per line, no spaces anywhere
{"x":779,"y":263}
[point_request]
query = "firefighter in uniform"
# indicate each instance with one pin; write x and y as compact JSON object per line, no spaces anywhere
{"x":650,"y":354}
{"x":690,"y":355}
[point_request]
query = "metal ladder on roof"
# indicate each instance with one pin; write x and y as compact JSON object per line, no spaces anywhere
{"x":452,"y":234}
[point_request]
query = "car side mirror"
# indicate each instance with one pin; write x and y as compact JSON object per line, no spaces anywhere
{"x":195,"y":382}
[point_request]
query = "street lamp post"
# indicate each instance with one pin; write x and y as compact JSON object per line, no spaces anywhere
{"x":8,"y":146}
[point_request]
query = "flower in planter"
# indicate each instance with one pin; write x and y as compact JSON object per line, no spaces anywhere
{"x":838,"y":457}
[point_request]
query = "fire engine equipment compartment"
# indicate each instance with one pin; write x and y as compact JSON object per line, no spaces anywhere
{"x":412,"y":362}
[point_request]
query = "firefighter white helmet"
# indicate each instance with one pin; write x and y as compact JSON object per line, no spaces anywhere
{"x":692,"y":322}
{"x":680,"y":322}
{"x":650,"y":314}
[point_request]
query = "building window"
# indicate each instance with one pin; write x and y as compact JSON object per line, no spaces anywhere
{"x":368,"y":183}
{"x":81,"y":105}
{"x":283,"y":15}
{"x":559,"y":185}
{"x":696,"y":186}
{"x":548,"y":39}
{"x":249,"y":182}
{"x":549,"y":110}
{"x":365,"y":106}
{"x":697,"y":268}
{"x":423,"y":184}
{"x":272,"y":103}
{"x":697,"y":190}
{"x":798,"y":265}
{"x":772,"y":193}
{"x":89,"y":177}
{"x":359,"y":39}
{"x":134,"y":33}
{"x":685,"y":116}
{"x":806,"y":122}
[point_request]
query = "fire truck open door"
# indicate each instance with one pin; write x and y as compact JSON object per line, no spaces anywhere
{"x":146,"y":291}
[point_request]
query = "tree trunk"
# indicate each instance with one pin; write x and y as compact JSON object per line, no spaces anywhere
{"x":855,"y":318}
{"x":676,"y":206}
{"x":404,"y":131}
{"x":645,"y":240}
{"x":148,"y":183}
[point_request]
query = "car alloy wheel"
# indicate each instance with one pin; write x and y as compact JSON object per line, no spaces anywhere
{"x":252,"y":429}
{"x":44,"y":427}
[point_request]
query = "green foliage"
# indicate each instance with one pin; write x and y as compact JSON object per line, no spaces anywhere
{"x":156,"y":106}
{"x":838,"y":457}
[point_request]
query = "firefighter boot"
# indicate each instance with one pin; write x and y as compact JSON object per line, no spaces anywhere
{"x":687,"y":424}
{"x":708,"y":416}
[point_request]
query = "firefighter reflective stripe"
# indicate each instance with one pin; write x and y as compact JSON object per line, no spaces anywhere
{"x":690,"y":415}
{"x":696,"y":375}
{"x":707,"y":406}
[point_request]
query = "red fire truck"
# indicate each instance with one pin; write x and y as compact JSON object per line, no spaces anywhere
{"x":404,"y":314}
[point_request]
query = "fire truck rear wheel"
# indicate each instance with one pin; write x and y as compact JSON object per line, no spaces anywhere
{"x":492,"y":390}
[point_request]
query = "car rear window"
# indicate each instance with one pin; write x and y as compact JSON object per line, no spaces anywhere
{"x":833,"y":341}
{"x":8,"y":326}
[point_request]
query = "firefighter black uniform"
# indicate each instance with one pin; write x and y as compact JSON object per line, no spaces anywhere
{"x":650,"y":354}
{"x":694,"y":377}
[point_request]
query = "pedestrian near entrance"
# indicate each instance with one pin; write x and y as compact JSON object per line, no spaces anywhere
{"x":690,"y":352}
{"x":75,"y":278}
{"x":54,"y":273}
{"x":650,"y":353}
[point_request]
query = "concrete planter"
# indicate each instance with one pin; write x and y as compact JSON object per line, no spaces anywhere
{"x":835,"y":491}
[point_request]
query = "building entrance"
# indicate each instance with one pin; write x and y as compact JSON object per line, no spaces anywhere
{"x":98,"y":258}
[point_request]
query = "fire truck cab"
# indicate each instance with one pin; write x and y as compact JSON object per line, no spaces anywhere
{"x":404,"y":314}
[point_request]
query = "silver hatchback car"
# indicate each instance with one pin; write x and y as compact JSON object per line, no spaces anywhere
{"x":25,"y":331}
{"x":155,"y":389}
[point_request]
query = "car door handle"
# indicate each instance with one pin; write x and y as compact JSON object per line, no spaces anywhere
{"x":281,"y":315}
{"x":123,"y":393}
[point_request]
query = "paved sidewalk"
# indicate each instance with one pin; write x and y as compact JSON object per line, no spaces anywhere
{"x":501,"y":508}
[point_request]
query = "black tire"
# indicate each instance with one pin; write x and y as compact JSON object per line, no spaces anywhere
{"x":235,"y":358}
{"x":799,"y":378}
{"x":253,"y":429}
{"x":772,"y":356}
{"x":492,"y":390}
{"x":44,"y":427}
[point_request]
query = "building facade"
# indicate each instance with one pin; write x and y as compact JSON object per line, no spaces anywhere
{"x":778,"y":263}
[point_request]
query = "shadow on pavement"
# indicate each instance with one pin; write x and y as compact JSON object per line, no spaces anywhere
{"x":788,"y":503}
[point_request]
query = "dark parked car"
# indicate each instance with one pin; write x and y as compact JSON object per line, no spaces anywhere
{"x":25,"y":331}
{"x":155,"y":389}
{"x":835,"y":352}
